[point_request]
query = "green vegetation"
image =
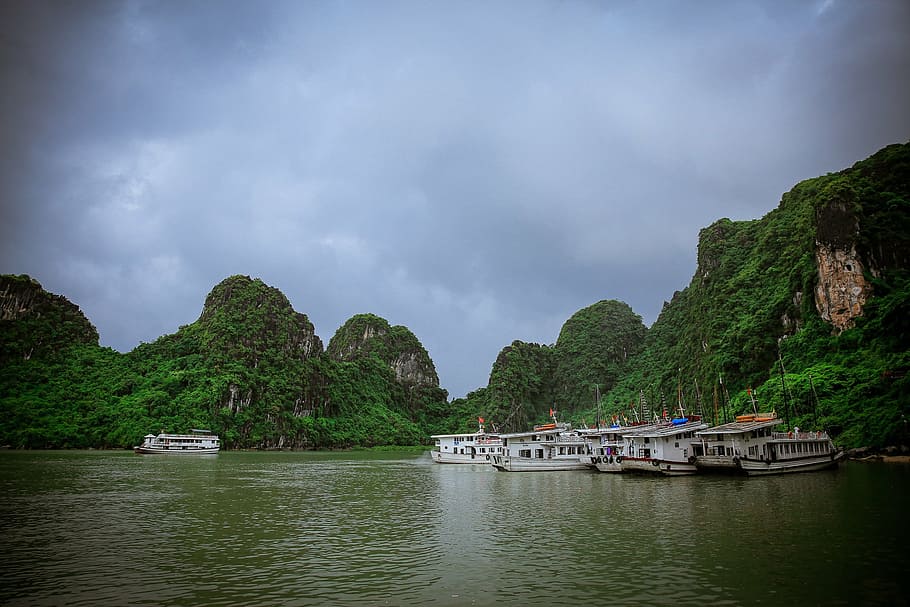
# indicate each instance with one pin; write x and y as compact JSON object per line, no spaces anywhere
{"x":751,"y":324}
{"x":251,"y":368}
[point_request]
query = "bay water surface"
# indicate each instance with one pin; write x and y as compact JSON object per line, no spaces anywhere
{"x":393,"y":528}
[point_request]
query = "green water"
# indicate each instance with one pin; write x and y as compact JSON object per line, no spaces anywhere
{"x":114,"y":528}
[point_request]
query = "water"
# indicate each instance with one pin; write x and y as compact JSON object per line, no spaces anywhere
{"x":114,"y":528}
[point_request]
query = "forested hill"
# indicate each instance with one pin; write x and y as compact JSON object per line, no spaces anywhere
{"x":251,"y":368}
{"x":819,"y":288}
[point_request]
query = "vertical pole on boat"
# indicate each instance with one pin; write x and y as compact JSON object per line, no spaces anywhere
{"x":715,"y":404}
{"x":726,"y":396}
{"x":783,"y":388}
{"x":698,"y":404}
{"x":814,"y":401}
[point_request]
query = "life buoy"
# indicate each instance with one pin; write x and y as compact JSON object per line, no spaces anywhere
{"x":611,"y":459}
{"x":618,"y":459}
{"x":593,"y":460}
{"x":691,"y":459}
{"x":654,"y":462}
{"x":488,"y":458}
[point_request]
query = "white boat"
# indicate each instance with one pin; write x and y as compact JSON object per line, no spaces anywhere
{"x":722,"y":447}
{"x":664,"y":448}
{"x":199,"y":442}
{"x":472,"y":448}
{"x":547,"y":447}
{"x":606,"y":445}
{"x":793,"y":452}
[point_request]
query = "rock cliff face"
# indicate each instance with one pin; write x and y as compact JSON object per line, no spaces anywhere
{"x":842,"y":288}
{"x":246,"y":313}
{"x":368,"y":334}
{"x":34,"y":322}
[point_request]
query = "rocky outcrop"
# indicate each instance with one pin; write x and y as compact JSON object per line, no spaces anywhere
{"x":369,"y":335}
{"x":245,"y":314}
{"x":842,"y":288}
{"x":34,"y":322}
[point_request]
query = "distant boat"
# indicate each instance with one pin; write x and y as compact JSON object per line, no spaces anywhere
{"x":199,"y":442}
{"x":466,"y":448}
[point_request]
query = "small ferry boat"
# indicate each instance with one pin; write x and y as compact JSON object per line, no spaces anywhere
{"x":664,"y":448}
{"x":472,"y":448}
{"x":199,"y":442}
{"x":607,"y":445}
{"x":725,"y":445}
{"x":793,"y":452}
{"x":548,"y":447}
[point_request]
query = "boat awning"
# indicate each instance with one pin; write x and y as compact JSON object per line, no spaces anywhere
{"x":740,"y":427}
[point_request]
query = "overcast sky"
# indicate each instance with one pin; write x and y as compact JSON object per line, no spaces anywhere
{"x":475,"y":171}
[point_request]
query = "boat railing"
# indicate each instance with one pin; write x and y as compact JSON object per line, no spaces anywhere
{"x":799,"y":435}
{"x":488,"y":441}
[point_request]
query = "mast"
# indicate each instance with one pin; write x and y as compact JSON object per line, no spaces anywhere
{"x":814,"y":402}
{"x":783,"y":389}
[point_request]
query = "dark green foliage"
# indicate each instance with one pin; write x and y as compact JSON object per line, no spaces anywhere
{"x":751,"y":308}
{"x":593,"y":351}
{"x":251,"y":368}
{"x":36,"y":323}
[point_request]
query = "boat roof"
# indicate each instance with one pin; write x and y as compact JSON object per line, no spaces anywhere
{"x":487,"y":434}
{"x":668,"y":429}
{"x":557,"y":430}
{"x":740,"y":427}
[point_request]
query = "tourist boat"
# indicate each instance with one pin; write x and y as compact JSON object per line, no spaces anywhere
{"x":723,"y":447}
{"x":793,"y":452}
{"x":664,"y":448}
{"x":607,"y":445}
{"x":199,"y":442}
{"x":547,"y":447}
{"x":472,"y":448}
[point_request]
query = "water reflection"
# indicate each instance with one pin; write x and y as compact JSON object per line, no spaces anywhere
{"x":90,"y":528}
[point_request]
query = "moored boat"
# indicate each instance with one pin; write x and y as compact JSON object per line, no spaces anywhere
{"x":664,"y":448}
{"x":793,"y":452}
{"x":723,"y":446}
{"x":607,"y":445}
{"x":547,"y":447}
{"x":466,"y":448}
{"x":198,"y":442}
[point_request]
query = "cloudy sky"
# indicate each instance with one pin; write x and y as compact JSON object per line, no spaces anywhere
{"x":476,"y":171}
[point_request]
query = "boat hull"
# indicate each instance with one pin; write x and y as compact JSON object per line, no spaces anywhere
{"x":609,"y":463}
{"x":719,"y":464}
{"x":459,"y":458}
{"x":176,"y":451}
{"x":754,"y":467}
{"x":648,"y":465}
{"x":508,"y":463}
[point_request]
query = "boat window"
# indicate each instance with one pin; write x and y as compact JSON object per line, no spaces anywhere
{"x":539,"y":453}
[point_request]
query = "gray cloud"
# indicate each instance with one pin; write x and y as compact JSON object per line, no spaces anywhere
{"x":475,"y":171}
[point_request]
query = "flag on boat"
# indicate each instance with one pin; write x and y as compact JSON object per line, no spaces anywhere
{"x":479,"y":420}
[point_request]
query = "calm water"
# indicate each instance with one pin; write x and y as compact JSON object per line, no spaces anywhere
{"x":103,"y":528}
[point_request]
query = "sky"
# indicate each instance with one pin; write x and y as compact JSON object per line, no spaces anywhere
{"x":475,"y":171}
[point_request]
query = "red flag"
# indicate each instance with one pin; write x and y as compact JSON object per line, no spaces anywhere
{"x":551,"y":412}
{"x":479,"y":420}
